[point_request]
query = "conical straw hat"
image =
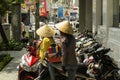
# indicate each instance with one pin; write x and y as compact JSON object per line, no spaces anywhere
{"x":45,"y":31}
{"x":65,"y":27}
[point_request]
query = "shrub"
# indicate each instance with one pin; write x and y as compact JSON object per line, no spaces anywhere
{"x":4,"y":60}
{"x":13,"y":45}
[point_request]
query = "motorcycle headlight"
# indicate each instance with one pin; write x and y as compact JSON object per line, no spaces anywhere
{"x":35,"y":66}
{"x":32,"y":68}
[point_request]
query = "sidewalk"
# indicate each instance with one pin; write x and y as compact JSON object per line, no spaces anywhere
{"x":10,"y":72}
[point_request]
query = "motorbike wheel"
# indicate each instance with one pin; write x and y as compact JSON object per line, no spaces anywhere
{"x":29,"y":79}
{"x":26,"y":76}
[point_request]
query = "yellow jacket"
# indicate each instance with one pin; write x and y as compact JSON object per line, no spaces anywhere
{"x":45,"y":44}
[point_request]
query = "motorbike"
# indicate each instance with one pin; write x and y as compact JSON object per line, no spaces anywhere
{"x":101,"y":66}
{"x":28,"y":69}
{"x":87,"y":44}
{"x":60,"y":74}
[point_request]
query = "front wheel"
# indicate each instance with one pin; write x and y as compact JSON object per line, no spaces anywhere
{"x":27,"y":75}
{"x":28,"y":78}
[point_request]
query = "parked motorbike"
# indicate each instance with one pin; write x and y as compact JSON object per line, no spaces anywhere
{"x":84,"y":46}
{"x":99,"y":65}
{"x":102,"y":66}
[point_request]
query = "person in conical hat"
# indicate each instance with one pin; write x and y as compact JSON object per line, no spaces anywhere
{"x":47,"y":34}
{"x":68,"y":42}
{"x":45,"y":31}
{"x":65,"y":27}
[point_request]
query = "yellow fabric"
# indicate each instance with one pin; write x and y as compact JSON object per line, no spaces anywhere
{"x":46,"y":42}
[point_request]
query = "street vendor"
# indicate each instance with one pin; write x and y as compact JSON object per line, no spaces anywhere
{"x":68,"y":42}
{"x":47,"y":34}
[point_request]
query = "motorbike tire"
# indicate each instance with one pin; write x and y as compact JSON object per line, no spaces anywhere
{"x":27,"y":76}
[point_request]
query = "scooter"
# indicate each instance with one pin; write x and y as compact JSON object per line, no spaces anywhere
{"x":28,"y":69}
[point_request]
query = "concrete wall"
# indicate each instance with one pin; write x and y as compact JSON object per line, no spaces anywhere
{"x":113,"y":41}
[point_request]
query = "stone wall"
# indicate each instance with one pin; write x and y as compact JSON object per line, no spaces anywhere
{"x":113,"y":41}
{"x":101,"y":35}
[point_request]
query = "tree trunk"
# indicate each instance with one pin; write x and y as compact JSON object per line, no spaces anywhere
{"x":37,"y":19}
{"x":4,"y":38}
{"x":82,"y":7}
{"x":16,"y":22}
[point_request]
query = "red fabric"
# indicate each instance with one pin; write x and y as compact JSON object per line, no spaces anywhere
{"x":43,"y":10}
